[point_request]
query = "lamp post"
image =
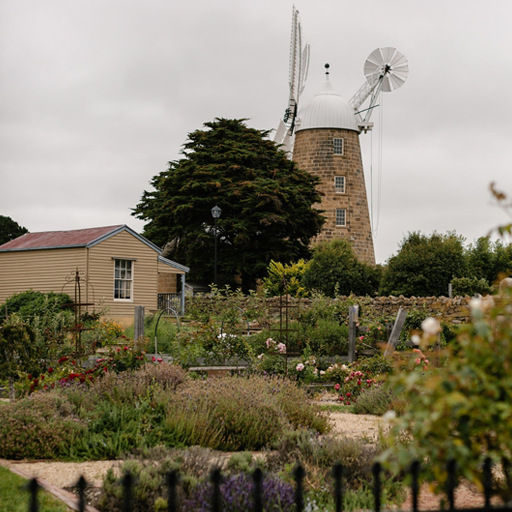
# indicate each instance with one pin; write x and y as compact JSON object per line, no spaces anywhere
{"x":216,"y":211}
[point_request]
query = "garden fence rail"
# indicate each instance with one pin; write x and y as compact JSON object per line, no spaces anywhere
{"x":172,"y":481}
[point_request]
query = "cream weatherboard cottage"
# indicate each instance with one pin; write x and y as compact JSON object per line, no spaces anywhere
{"x":119,"y":269}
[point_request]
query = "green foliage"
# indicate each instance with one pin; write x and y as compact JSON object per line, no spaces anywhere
{"x":489,"y":260}
{"x":44,"y":313}
{"x":470,"y":286}
{"x":326,"y":338}
{"x":32,"y":304}
{"x":66,"y":371}
{"x":375,"y":366}
{"x":10,"y":229}
{"x":424,"y":265}
{"x":156,"y":405}
{"x":285,"y":279}
{"x":462,"y":410}
{"x":265,"y":200}
{"x":335,"y":270}
{"x":38,"y":427}
{"x":18,"y":350}
{"x":318,"y":455}
{"x":15,"y":498}
{"x":375,"y":400}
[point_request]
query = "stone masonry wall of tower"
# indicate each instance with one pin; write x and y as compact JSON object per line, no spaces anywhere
{"x":314,"y":152}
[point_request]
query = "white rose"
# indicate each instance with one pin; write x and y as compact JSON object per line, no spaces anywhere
{"x":431,"y":326}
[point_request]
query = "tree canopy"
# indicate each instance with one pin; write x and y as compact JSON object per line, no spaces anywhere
{"x":264,"y":197}
{"x":425,"y":265}
{"x":10,"y":229}
{"x":335,"y":269}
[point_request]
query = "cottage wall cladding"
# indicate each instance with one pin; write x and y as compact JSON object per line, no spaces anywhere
{"x":313,"y":152}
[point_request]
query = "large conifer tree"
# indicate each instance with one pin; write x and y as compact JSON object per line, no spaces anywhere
{"x":266,"y":203}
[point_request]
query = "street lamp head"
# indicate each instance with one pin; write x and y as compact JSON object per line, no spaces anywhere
{"x":216,"y":211}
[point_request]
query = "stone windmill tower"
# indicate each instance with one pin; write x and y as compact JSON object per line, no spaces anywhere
{"x":327,"y":145}
{"x":323,"y":138}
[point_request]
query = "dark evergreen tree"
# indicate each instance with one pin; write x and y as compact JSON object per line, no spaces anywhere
{"x":266,"y":203}
{"x":9,"y":229}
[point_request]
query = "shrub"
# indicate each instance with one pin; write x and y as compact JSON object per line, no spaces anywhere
{"x":327,"y":338}
{"x":425,"y":265}
{"x":247,"y":413}
{"x":470,"y":286}
{"x":161,"y":406}
{"x":32,"y":304}
{"x":194,"y":467}
{"x":237,"y":495}
{"x":334,"y":269}
{"x":38,"y":427}
{"x":462,"y":411}
{"x":375,"y":400}
{"x":273,"y":284}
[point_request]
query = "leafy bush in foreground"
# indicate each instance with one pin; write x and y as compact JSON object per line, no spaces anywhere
{"x":463,"y":409}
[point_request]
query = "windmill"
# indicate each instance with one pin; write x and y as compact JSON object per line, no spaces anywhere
{"x":299,"y":64}
{"x":326,"y":144}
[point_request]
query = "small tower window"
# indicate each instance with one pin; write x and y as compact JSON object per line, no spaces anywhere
{"x":341,"y":217}
{"x":339,"y":184}
{"x":338,"y":146}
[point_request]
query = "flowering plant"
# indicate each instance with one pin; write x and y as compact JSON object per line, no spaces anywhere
{"x":353,"y":385}
{"x":67,"y":371}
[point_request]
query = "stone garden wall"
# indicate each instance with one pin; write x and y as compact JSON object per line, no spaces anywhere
{"x":454,"y":310}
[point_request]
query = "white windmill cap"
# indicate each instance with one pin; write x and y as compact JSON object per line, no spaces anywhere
{"x":327,"y":110}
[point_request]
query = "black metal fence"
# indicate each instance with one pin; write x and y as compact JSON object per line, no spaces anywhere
{"x":172,"y":481}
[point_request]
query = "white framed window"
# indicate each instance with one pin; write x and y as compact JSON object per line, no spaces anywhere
{"x":339,"y":184}
{"x":341,"y":217}
{"x":123,"y":279}
{"x":337,"y":146}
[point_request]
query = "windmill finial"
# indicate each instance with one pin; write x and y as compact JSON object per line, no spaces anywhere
{"x":327,"y":66}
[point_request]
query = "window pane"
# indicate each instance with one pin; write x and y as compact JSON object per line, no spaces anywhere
{"x":340,"y":217}
{"x":338,"y":146}
{"x":339,"y":184}
{"x":122,"y":279}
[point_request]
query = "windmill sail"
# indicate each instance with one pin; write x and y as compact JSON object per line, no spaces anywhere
{"x":299,"y":65}
{"x":386,"y":69}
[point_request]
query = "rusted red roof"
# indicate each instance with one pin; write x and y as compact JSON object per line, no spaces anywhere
{"x":55,"y":239}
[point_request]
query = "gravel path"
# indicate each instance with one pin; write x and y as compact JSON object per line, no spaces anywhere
{"x":66,"y":474}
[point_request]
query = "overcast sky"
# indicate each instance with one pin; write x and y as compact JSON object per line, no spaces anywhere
{"x":97,"y":96}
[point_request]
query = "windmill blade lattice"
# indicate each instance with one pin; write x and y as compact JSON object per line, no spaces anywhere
{"x":389,"y":64}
